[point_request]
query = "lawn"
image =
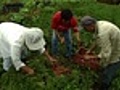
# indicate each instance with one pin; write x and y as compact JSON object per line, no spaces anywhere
{"x":39,"y":15}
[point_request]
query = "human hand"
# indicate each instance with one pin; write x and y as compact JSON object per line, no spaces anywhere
{"x":87,"y":57}
{"x":62,"y":40}
{"x":53,"y":60}
{"x":27,"y":70}
{"x":88,"y":51}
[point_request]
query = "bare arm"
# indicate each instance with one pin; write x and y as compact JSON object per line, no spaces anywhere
{"x":93,"y":46}
{"x":50,"y":58}
{"x":77,"y":35}
{"x":58,"y":34}
{"x":60,"y":37}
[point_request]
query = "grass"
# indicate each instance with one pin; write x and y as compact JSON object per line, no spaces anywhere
{"x":80,"y":78}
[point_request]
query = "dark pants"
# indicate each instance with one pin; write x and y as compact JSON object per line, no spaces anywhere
{"x":107,"y":75}
{"x":68,"y":43}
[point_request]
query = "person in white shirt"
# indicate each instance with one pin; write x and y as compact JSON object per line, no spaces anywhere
{"x":14,"y":38}
{"x":107,"y":37}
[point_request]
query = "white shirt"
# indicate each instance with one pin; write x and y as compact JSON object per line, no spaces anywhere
{"x":108,"y":39}
{"x":12,"y":39}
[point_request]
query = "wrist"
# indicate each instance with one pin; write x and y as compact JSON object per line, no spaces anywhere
{"x":99,"y":57}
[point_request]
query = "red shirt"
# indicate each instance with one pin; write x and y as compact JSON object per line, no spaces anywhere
{"x":58,"y":24}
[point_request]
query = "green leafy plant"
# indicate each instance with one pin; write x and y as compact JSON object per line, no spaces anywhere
{"x":40,"y":16}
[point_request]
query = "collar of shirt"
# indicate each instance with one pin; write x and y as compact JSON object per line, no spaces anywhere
{"x":95,"y":35}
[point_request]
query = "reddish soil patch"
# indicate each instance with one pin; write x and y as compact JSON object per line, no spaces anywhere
{"x":92,"y":63}
{"x":59,"y":69}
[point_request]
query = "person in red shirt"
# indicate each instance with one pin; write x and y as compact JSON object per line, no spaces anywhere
{"x":62,"y":23}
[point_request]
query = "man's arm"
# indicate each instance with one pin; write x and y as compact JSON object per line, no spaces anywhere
{"x":77,"y":35}
{"x":58,"y":34}
{"x":74,"y":24}
{"x":91,"y":49}
{"x":18,"y":64}
{"x":60,"y":37}
{"x":15,"y":56}
{"x":49,"y":57}
{"x":106,"y":48}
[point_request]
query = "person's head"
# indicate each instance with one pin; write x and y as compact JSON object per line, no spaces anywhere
{"x":88,"y":23}
{"x":34,"y":39}
{"x":66,"y":15}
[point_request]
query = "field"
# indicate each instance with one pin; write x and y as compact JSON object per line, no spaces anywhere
{"x":39,"y":15}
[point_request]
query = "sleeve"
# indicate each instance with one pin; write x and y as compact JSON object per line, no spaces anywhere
{"x":42,"y":50}
{"x":55,"y":22}
{"x":74,"y":24}
{"x":106,"y":48}
{"x":15,"y":56}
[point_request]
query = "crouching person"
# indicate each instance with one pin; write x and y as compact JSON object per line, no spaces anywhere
{"x":62,"y":23}
{"x":13,"y":39}
{"x":107,"y":37}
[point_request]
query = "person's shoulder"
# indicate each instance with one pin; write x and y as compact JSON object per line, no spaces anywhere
{"x":104,"y":22}
{"x":10,"y":24}
{"x":74,"y":20}
{"x":56,"y":17}
{"x":57,"y":14}
{"x":101,"y":21}
{"x":106,"y":26}
{"x":5,"y":23}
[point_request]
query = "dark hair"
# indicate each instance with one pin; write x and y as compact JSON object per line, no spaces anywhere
{"x":66,"y":14}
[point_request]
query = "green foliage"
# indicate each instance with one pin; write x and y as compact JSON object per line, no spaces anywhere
{"x":40,"y":16}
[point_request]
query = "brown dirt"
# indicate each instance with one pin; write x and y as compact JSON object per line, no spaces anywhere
{"x":59,"y":69}
{"x":78,"y":58}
